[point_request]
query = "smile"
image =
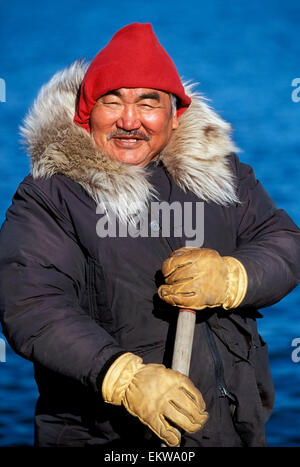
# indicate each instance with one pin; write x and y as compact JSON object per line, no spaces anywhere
{"x":129,"y":139}
{"x":127,"y":142}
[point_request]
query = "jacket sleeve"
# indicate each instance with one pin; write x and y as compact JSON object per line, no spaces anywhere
{"x":42,"y":273}
{"x":268,"y":243}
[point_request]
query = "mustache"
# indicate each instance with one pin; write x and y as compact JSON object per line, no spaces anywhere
{"x":133,"y":133}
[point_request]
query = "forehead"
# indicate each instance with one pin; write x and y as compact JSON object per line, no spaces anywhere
{"x":138,"y":93}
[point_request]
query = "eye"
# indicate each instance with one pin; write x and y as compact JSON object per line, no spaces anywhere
{"x":112,"y":103}
{"x":147,"y":105}
{"x":109,"y":100}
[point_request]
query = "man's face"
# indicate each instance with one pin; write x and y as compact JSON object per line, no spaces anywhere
{"x":133,"y":125}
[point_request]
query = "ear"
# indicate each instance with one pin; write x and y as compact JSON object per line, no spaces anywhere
{"x":175,"y":122}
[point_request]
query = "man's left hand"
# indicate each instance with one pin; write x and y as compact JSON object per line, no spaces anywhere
{"x":197,"y":278}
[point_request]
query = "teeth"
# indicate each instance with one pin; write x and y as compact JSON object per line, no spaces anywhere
{"x":132,"y":140}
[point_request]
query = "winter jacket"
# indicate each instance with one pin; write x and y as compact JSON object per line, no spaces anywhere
{"x":72,"y":300}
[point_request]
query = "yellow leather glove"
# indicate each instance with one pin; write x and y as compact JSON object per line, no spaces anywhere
{"x":197,"y":278}
{"x":156,"y":395}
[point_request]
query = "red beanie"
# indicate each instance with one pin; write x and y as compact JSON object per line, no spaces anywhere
{"x":132,"y":59}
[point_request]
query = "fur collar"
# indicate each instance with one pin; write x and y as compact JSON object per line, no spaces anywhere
{"x":195,"y":156}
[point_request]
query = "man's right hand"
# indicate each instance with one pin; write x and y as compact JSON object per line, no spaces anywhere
{"x":156,"y":395}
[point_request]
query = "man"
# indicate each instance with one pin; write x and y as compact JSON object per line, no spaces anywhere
{"x":95,"y":309}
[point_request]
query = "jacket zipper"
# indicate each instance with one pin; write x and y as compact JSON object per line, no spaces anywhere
{"x":90,"y":282}
{"x":219,"y":370}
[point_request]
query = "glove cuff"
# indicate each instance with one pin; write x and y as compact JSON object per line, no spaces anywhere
{"x":119,"y":376}
{"x":237,"y":283}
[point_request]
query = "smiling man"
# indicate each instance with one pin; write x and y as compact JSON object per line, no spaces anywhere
{"x":133,"y":125}
{"x":97,"y":314}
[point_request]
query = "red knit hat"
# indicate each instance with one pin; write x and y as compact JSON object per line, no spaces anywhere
{"x":133,"y":59}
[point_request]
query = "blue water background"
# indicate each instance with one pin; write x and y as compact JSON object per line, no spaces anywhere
{"x":244,"y":55}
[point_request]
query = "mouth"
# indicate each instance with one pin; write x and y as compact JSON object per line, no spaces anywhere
{"x":127,"y":141}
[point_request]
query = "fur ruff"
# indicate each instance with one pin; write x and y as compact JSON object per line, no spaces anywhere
{"x":195,"y":156}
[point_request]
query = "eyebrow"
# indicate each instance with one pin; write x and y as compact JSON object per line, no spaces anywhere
{"x":147,"y":95}
{"x":150,"y":95}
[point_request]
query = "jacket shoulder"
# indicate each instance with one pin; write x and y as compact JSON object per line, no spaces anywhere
{"x":57,"y":192}
{"x":242,"y":171}
{"x":54,"y":186}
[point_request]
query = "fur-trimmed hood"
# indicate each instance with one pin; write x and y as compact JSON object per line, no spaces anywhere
{"x":195,"y":156}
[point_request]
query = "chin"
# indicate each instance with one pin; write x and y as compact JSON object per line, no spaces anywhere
{"x":131,"y":159}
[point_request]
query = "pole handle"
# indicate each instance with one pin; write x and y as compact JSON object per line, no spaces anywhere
{"x":184,"y":340}
{"x":183,"y":343}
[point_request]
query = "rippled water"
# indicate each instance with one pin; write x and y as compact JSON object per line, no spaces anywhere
{"x":244,"y":55}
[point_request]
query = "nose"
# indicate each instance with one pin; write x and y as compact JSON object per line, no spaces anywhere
{"x":129,"y":118}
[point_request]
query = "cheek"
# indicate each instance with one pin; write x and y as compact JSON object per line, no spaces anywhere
{"x":101,"y":122}
{"x":156,"y":123}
